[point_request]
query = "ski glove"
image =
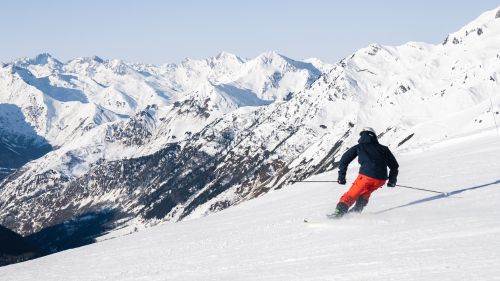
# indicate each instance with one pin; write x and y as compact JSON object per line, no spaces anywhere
{"x":341,"y":181}
{"x":391,"y":184}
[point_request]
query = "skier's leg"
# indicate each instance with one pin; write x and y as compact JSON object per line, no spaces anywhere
{"x":360,"y":186}
{"x":360,"y":203}
{"x":362,"y":200}
{"x":340,"y":210}
{"x":357,"y":188}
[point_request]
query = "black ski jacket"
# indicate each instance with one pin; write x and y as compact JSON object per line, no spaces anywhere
{"x":373,"y":157}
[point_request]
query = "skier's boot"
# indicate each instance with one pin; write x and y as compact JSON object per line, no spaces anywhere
{"x":360,"y":205}
{"x":339,"y":211}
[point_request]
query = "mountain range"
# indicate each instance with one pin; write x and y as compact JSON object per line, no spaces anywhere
{"x":91,"y":146}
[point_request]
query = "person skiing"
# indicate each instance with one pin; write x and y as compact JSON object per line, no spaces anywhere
{"x":374,"y":159}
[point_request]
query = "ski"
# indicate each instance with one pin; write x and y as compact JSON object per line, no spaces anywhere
{"x":317,"y":221}
{"x":332,"y":217}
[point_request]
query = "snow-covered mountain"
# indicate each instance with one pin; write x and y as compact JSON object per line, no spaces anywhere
{"x":402,"y":234}
{"x":140,"y":144}
{"x":93,"y":111}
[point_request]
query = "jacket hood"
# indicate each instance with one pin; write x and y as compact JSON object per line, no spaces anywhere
{"x":367,"y":137}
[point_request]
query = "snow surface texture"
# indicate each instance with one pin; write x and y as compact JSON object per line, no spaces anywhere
{"x":174,"y":142}
{"x":403,"y":234}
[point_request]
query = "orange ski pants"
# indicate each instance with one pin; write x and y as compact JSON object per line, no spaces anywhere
{"x":362,"y":186}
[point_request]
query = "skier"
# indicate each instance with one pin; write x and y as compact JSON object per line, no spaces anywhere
{"x":374,"y":159}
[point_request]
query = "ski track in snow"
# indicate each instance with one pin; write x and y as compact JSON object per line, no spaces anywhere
{"x":427,"y":237}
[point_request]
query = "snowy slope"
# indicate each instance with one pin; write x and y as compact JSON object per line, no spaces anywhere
{"x":402,"y":235}
{"x":190,"y":139}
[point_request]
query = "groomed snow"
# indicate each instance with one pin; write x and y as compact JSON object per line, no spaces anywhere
{"x":402,"y":235}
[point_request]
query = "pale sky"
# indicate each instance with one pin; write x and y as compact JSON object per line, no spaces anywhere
{"x":164,"y":31}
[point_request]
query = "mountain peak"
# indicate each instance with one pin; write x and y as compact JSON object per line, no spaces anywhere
{"x":275,"y":58}
{"x":44,"y":58}
{"x":269,"y":55}
{"x":483,"y":23}
{"x":97,"y":59}
{"x":225,"y":56}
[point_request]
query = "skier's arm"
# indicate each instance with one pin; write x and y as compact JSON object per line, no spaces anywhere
{"x":393,"y":165}
{"x":346,"y":159}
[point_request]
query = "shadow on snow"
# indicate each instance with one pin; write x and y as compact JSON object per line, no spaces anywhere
{"x":73,"y":233}
{"x":440,"y":196}
{"x":19,"y":141}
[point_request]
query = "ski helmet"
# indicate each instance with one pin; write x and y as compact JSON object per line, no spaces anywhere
{"x":368,"y":129}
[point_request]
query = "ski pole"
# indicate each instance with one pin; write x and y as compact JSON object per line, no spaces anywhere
{"x":313,"y":181}
{"x":304,"y":181}
{"x":423,"y":189}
